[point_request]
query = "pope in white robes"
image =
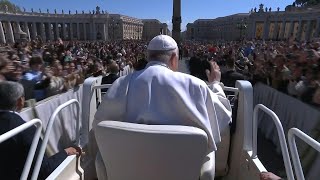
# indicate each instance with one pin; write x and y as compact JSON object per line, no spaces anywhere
{"x":158,"y":95}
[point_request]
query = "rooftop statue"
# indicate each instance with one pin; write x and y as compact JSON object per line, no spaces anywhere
{"x":6,"y":9}
{"x":261,"y":8}
{"x":97,"y":10}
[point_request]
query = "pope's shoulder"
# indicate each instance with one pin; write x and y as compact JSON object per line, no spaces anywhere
{"x":187,"y":77}
{"x":177,"y":76}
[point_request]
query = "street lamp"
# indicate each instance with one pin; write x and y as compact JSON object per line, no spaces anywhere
{"x":113,"y":26}
{"x":242,"y":26}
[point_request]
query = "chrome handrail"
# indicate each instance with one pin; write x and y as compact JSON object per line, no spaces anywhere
{"x":102,"y":86}
{"x":48,"y":130}
{"x":99,"y":87}
{"x":292,"y":134}
{"x":34,"y":144}
{"x":283,"y":144}
{"x":231,"y":89}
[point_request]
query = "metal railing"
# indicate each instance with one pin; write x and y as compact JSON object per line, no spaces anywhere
{"x":292,"y":134}
{"x":283,"y":144}
{"x":231,"y":89}
{"x":48,"y":130}
{"x":98,"y":88}
{"x":34,"y":144}
{"x":233,"y":97}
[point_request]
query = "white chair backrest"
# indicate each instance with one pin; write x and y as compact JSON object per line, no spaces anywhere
{"x":145,"y":152}
{"x":33,"y":146}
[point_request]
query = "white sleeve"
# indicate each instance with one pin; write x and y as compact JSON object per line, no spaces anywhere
{"x":113,"y":105}
{"x":219,"y":110}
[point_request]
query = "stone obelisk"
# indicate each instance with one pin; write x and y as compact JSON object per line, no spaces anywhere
{"x":176,"y":20}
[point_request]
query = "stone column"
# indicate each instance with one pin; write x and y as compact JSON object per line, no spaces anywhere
{"x":2,"y":36}
{"x":317,"y":28}
{"x":266,"y":30}
{"x":34,"y":30}
{"x":291,"y":29}
{"x":78,"y":32}
{"x":50,"y":32}
{"x":176,"y":20}
{"x":281,"y":36}
{"x":105,"y":32}
{"x":16,"y":27}
{"x":26,"y":27}
{"x":93,"y":31}
{"x":56,"y":29}
{"x":84,"y":31}
{"x":253,"y":30}
{"x":63,"y":25}
{"x":300,"y":30}
{"x":71,"y":31}
{"x":276,"y":30}
{"x":43,"y":32}
{"x":308,"y":31}
{"x":10,"y":33}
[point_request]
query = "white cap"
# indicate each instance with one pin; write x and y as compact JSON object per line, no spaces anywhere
{"x":162,"y":43}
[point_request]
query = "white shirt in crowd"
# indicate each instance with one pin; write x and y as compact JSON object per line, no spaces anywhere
{"x":159,"y":96}
{"x":126,"y":70}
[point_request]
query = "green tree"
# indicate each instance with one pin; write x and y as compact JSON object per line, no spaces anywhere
{"x":307,"y":2}
{"x":11,"y":7}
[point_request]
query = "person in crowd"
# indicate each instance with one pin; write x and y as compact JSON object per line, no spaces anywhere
{"x":167,"y":97}
{"x":14,"y":152}
{"x":230,"y":77}
{"x":3,"y":67}
{"x":36,"y":76}
{"x":113,"y":74}
{"x":57,"y":81}
{"x":72,"y":77}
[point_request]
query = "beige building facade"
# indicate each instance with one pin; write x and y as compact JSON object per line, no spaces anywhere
{"x":51,"y":26}
{"x":299,"y":23}
{"x":124,"y":27}
{"x":152,"y":28}
{"x":222,"y":28}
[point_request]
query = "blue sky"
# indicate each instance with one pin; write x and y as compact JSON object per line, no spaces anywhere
{"x":158,"y":9}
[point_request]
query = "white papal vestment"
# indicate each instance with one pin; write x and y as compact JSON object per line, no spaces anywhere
{"x":159,"y":96}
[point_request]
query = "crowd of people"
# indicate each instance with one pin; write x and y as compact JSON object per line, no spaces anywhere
{"x":47,"y":69}
{"x":288,"y":66}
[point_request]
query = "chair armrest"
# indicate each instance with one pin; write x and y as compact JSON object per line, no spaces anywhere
{"x":68,"y":169}
{"x":208,"y":167}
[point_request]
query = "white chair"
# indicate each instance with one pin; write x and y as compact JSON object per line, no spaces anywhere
{"x":157,"y":152}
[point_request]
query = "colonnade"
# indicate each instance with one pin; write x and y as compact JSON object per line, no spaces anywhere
{"x":12,"y":31}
